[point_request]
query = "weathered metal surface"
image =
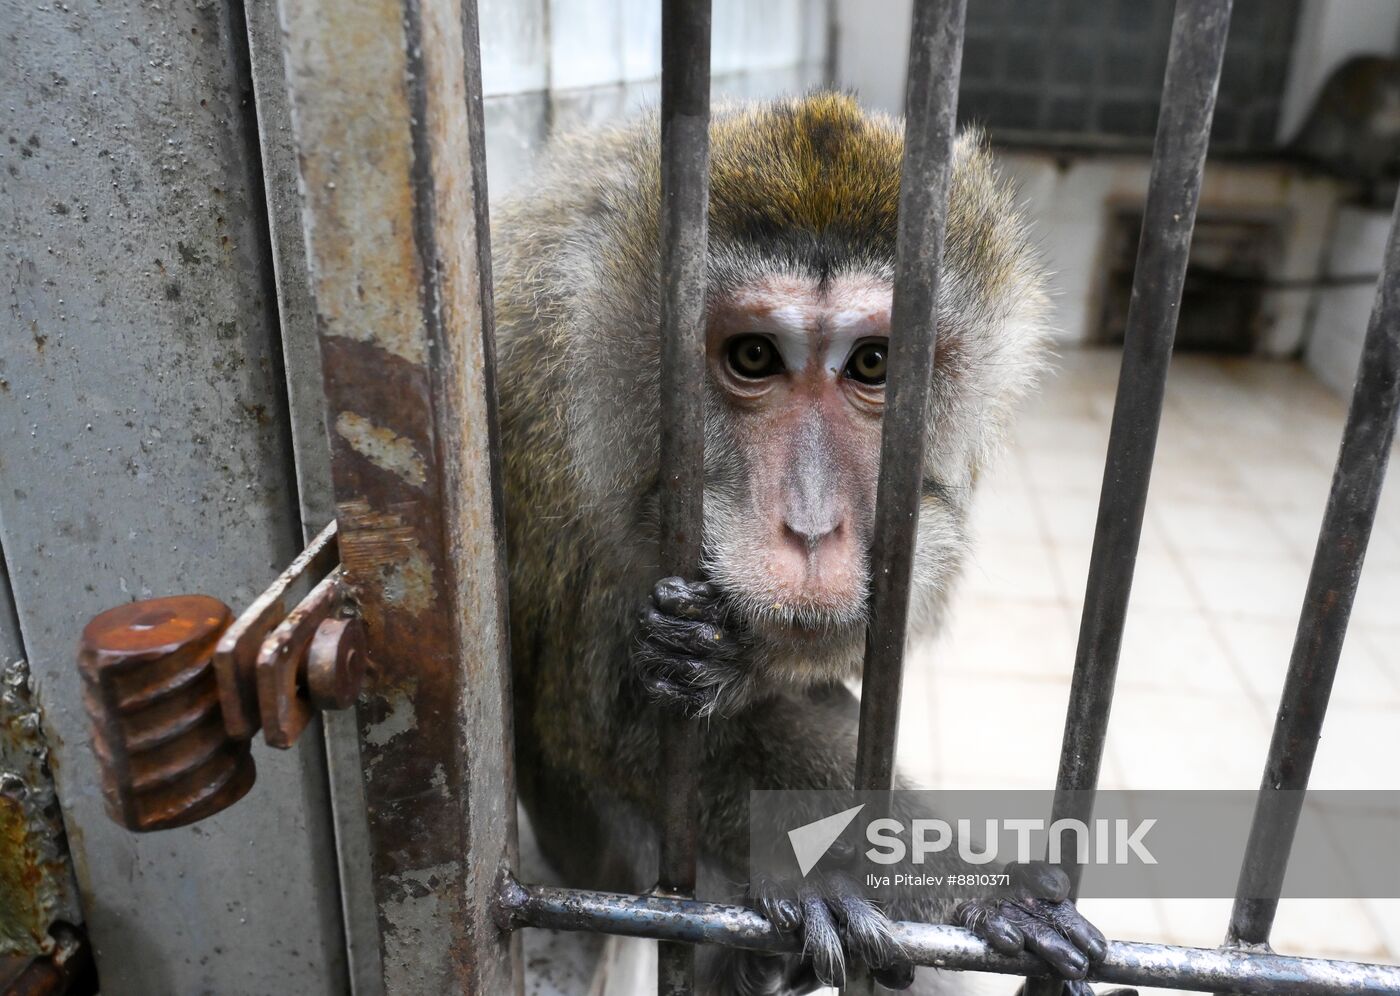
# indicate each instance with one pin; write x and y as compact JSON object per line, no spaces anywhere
{"x":66,"y":969}
{"x":1327,"y":603}
{"x":284,"y":699}
{"x":335,"y":663}
{"x":387,"y":112}
{"x":301,"y":359}
{"x":940,"y":946}
{"x":1179,"y":156}
{"x":935,"y":54}
{"x":157,"y":728}
{"x":143,"y":447}
{"x":1169,"y":216}
{"x":235,"y":658}
{"x":167,"y":682}
{"x":685,"y":193}
{"x":36,"y":875}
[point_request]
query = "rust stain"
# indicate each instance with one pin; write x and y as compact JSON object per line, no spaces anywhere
{"x":20,"y":882}
{"x":382,"y":447}
{"x":36,"y":879}
{"x":363,"y":205}
{"x":384,"y":546}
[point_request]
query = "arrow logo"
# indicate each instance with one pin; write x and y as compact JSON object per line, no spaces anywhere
{"x":812,"y":840}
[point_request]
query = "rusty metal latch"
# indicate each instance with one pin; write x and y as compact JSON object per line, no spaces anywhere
{"x":176,"y":688}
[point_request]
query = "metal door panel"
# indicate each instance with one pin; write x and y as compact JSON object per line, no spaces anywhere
{"x":144,"y":450}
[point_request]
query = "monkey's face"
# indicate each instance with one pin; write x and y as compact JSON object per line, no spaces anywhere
{"x":797,"y":375}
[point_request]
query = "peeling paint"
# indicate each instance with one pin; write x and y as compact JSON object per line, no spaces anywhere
{"x":416,"y":905}
{"x":382,"y":447}
{"x":400,"y":718}
{"x":383,"y":548}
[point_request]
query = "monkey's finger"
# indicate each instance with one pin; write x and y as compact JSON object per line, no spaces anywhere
{"x":983,"y":919}
{"x":900,"y":976}
{"x":1039,"y":879}
{"x":1081,"y":933}
{"x":668,"y":695}
{"x":1052,"y":946}
{"x":782,"y":913}
{"x":821,"y":942}
{"x":678,"y":635}
{"x":677,"y":597}
{"x":774,"y":902}
{"x":867,"y":930}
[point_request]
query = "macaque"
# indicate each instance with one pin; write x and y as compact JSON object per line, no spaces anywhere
{"x":803,"y":204}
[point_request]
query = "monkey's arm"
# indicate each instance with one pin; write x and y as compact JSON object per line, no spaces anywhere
{"x":691,"y":663}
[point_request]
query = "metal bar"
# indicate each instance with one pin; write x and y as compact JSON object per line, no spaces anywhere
{"x":937,"y":945}
{"x":301,"y":367}
{"x":1322,"y":626}
{"x":935,"y":56}
{"x":386,"y":111}
{"x":685,"y":191}
{"x":1197,"y":49}
{"x":1183,"y":129}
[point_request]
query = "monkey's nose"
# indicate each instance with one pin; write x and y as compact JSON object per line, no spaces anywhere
{"x":811,"y":534}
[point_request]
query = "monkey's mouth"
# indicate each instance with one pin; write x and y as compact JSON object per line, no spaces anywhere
{"x":808,"y":624}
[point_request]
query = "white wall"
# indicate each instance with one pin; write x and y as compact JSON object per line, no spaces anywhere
{"x":556,"y":64}
{"x":872,"y":50}
{"x":1330,"y":32}
{"x":1334,"y":345}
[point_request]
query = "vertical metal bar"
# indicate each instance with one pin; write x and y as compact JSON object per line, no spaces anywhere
{"x":386,"y":111}
{"x":301,"y":366}
{"x":1188,"y":100}
{"x":685,"y":192}
{"x":1322,"y":626}
{"x":935,"y":57}
{"x":1197,"y":49}
{"x":931,"y":106}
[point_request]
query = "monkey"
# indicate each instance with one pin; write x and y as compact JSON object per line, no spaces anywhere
{"x":803,"y":204}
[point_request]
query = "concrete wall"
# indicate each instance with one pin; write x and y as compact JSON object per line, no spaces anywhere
{"x":1071,"y":201}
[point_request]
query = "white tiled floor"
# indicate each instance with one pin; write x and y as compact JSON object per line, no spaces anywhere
{"x":1242,"y":472}
{"x":1241,"y":476}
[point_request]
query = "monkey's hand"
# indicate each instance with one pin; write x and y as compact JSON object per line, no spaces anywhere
{"x":836,"y":924}
{"x":1039,"y":917}
{"x":688,"y":657}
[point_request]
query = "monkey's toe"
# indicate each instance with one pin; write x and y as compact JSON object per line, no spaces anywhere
{"x":838,"y":927}
{"x":1051,"y":928}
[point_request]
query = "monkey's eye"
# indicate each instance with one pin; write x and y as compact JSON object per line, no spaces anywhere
{"x":867,"y":363}
{"x":754,"y":357}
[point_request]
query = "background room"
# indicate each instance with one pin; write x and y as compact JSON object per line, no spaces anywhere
{"x":1292,"y":222}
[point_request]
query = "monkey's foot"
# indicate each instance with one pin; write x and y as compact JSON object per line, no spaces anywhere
{"x":689,"y":659}
{"x":837,"y":924}
{"x":1040,"y":918}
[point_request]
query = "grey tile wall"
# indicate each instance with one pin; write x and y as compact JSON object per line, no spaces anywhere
{"x":1089,"y":71}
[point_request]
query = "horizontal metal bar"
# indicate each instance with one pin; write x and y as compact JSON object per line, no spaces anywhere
{"x":1322,"y":626}
{"x":937,"y":945}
